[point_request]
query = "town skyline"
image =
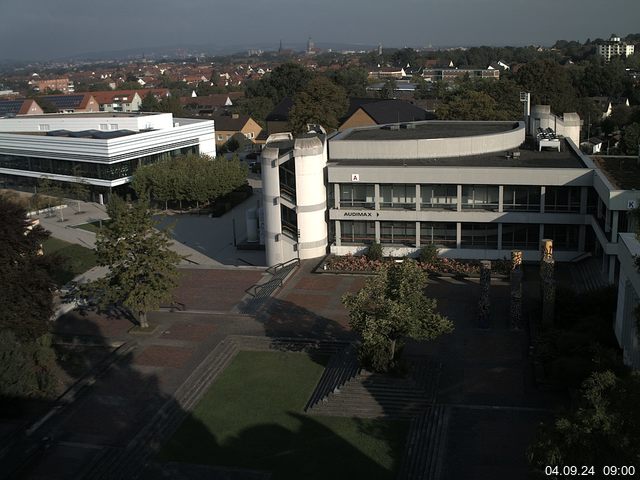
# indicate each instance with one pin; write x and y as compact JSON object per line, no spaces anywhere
{"x":73,"y":29}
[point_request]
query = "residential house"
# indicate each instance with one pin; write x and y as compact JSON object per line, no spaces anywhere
{"x":364,"y":112}
{"x":229,"y":126}
{"x":73,"y":103}
{"x":26,"y":106}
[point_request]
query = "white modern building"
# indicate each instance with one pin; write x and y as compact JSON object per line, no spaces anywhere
{"x":614,"y":47}
{"x":477,"y":190}
{"x":101,"y":150}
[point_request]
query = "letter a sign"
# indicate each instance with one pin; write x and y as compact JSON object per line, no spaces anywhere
{"x":355,"y":177}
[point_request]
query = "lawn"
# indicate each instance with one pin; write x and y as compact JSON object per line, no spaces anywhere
{"x":252,"y":417}
{"x":76,"y":259}
{"x":92,"y":226}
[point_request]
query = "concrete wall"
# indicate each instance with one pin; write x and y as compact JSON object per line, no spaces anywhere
{"x":428,"y":148}
{"x":628,"y":288}
{"x":83,"y":121}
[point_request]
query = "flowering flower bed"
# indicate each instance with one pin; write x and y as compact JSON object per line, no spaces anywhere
{"x":442,"y":266}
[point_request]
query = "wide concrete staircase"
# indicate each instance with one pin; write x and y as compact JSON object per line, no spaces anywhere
{"x":587,"y":275}
{"x":372,"y":395}
{"x":426,"y":443}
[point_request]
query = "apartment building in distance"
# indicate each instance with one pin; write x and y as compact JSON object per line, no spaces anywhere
{"x":63,"y":85}
{"x":614,"y":47}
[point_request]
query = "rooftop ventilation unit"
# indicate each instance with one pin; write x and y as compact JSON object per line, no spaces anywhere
{"x":394,"y":127}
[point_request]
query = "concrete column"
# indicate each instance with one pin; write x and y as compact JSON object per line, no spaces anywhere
{"x":584,"y":192}
{"x":418,"y":197}
{"x":543,"y":192}
{"x":459,"y":205}
{"x":458,"y":235}
{"x":418,"y":234}
{"x":500,"y":199}
{"x":541,"y":231}
{"x":607,"y":220}
{"x":336,"y":195}
{"x":599,"y":206}
{"x":614,"y":226}
{"x":499,"y":236}
{"x":271,"y":205}
{"x":377,"y":231}
{"x":612,"y":269}
{"x":582,"y":235}
{"x":376,"y":195}
{"x":338,"y":231}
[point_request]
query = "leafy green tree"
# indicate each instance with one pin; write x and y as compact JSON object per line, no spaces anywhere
{"x":256,"y":107}
{"x":27,"y":368}
{"x":631,"y":139}
{"x":171,"y":104}
{"x":26,"y":288}
{"x":352,"y":79}
{"x":390,"y":307}
{"x":284,"y":81}
{"x":321,"y":102}
{"x":389,"y":88}
{"x":603,"y":428}
{"x":142,"y":268}
{"x":149,"y":103}
{"x":549,"y":84}
{"x":471,"y":105}
{"x":404,"y":57}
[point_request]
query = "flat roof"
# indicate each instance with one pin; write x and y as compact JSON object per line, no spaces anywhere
{"x":88,"y":114}
{"x":429,"y":130}
{"x":622,"y":172}
{"x":529,"y":158}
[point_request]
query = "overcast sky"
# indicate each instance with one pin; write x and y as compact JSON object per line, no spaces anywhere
{"x":41,"y":29}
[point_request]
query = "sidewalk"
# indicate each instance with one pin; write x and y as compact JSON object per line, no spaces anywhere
{"x":91,"y":212}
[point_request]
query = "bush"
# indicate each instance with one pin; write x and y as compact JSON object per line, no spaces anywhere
{"x":375,"y":252}
{"x":429,"y":254}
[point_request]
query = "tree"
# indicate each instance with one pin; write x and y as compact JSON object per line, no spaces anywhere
{"x":549,"y":84}
{"x":389,"y":88}
{"x":392,"y":306}
{"x":470,"y":105}
{"x":631,"y":139}
{"x":149,"y":103}
{"x":353,"y":80}
{"x":171,"y":104}
{"x":256,"y":107}
{"x":26,"y":288}
{"x":284,"y":81}
{"x":603,"y":428}
{"x":142,"y":268}
{"x":321,"y":102}
{"x":27,"y":368}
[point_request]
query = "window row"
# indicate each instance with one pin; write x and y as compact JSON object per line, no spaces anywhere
{"x":473,"y":235}
{"x":473,"y":197}
{"x":102,"y":171}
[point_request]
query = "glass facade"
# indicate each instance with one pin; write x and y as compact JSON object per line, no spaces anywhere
{"x":398,"y":233}
{"x":480,"y":197}
{"x":357,"y":233}
{"x":443,"y":234}
{"x":96,"y":170}
{"x":357,"y":195}
{"x":289,"y":222}
{"x":522,"y":236}
{"x":565,"y":237}
{"x":444,"y":197}
{"x":521,"y":198}
{"x":479,"y":235}
{"x":288,"y":180}
{"x":562,"y":199}
{"x":398,"y":196}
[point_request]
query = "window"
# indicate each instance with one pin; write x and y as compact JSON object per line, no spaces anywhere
{"x":565,"y":237}
{"x":104,"y":126}
{"x":443,"y":234}
{"x":521,"y":198}
{"x":289,"y":222}
{"x":403,"y":233}
{"x":398,"y":196}
{"x":439,"y":196}
{"x":521,"y":236}
{"x":482,"y":197}
{"x":357,"y":232}
{"x":113,"y":126}
{"x":288,"y":180}
{"x":562,"y":199}
{"x":220,"y":137}
{"x":43,"y":127}
{"x":479,"y":235}
{"x":357,"y":195}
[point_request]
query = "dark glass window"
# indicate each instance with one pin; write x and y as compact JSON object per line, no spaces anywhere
{"x":522,"y":236}
{"x":562,"y":199}
{"x":479,"y":235}
{"x":357,"y":232}
{"x":289,"y":220}
{"x":482,"y":197}
{"x":439,"y":196}
{"x":357,"y":195}
{"x":521,"y":198}
{"x":398,"y":196}
{"x":403,"y":233}
{"x":565,"y":237}
{"x":443,"y":234}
